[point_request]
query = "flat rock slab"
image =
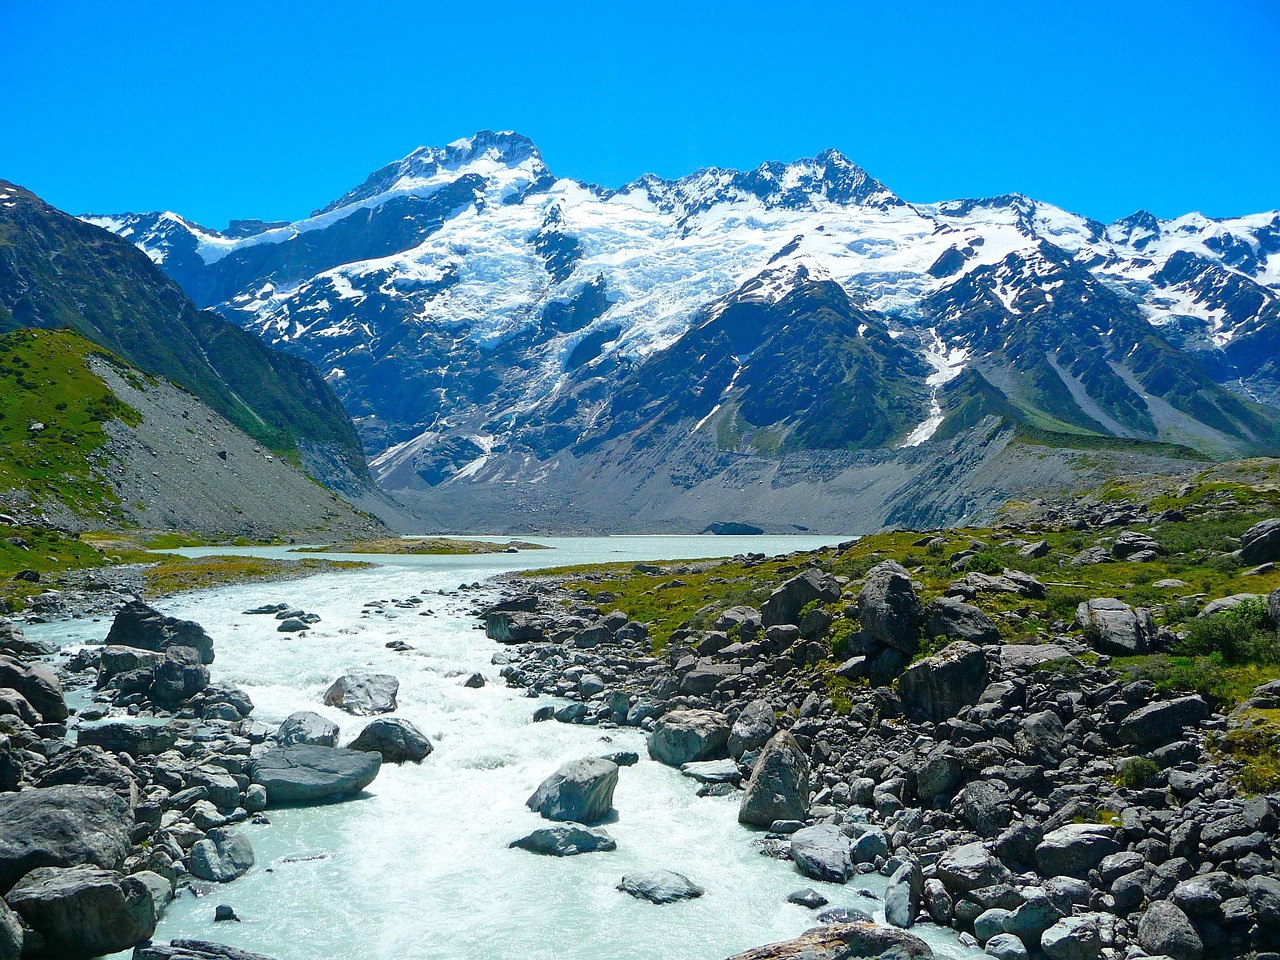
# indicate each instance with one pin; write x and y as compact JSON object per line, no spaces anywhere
{"x":194,"y":950}
{"x":660,"y":886}
{"x":1026,"y":655}
{"x":566,"y":841}
{"x":305,"y":773}
{"x":844,"y":941}
{"x":712,"y":771}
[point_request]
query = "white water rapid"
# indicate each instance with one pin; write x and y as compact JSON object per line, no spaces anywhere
{"x":418,"y":866}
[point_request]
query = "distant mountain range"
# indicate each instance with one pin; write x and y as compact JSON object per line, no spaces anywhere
{"x":516,"y":348}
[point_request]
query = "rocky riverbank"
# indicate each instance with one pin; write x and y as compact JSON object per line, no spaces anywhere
{"x":1046,"y":767}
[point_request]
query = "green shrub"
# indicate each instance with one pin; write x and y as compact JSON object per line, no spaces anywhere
{"x":1136,"y":772}
{"x":1061,"y":602}
{"x":1242,"y":634}
{"x":984,"y":562}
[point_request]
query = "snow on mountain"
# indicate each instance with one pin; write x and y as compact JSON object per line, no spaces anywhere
{"x":411,"y":290}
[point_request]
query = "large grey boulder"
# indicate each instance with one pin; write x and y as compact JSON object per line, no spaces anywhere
{"x":309,"y":774}
{"x":38,"y":686}
{"x":1273,"y":607}
{"x":888,"y":608}
{"x":184,"y":949}
{"x":223,"y":855}
{"x":1261,"y":542}
{"x":568,"y":840}
{"x":1075,"y":849}
{"x":683,"y":736}
{"x":970,"y":867}
{"x":90,"y":767}
{"x":115,"y":660}
{"x":904,"y":895}
{"x":844,"y":941}
{"x":180,"y":676}
{"x":61,"y":827}
{"x":1072,"y":938}
{"x":581,"y":790}
{"x":1164,"y":930}
{"x":396,"y":740}
{"x":15,"y":643}
{"x":1160,"y":723}
{"x":937,"y":687}
{"x":138,"y":625}
{"x":308,"y":727}
{"x":753,"y":728}
{"x":134,"y":737}
{"x":786,"y":602}
{"x":363,"y":694}
{"x":822,"y":853}
{"x":1131,"y":542}
{"x":779,"y":784}
{"x":83,"y":911}
{"x":660,"y":886}
{"x":1112,"y":626}
{"x":953,"y":618}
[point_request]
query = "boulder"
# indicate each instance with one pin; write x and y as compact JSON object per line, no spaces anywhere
{"x":38,"y":686}
{"x":193,"y":950}
{"x":888,"y":608}
{"x":90,"y":767}
{"x":566,"y":841}
{"x":1113,"y":627}
{"x":785,"y":603}
{"x":223,"y":855}
{"x":133,"y":737}
{"x":1261,"y":543}
{"x":14,"y":704}
{"x":303,"y":773}
{"x":1024,"y":656}
{"x":363,"y":695}
{"x":1007,"y":946}
{"x":114,"y":660}
{"x":581,"y":790}
{"x":308,"y":727}
{"x":951,"y":617}
{"x":1072,"y":938}
{"x":138,"y":625}
{"x":1131,"y":542}
{"x":396,"y":740}
{"x":683,"y":736}
{"x":506,"y":626}
{"x":904,"y":895}
{"x":11,"y":935}
{"x":61,"y":826}
{"x":779,"y":784}
{"x":15,"y":643}
{"x":1164,"y":930}
{"x":939,"y":773}
{"x":180,"y":676}
{"x":844,"y":941}
{"x":1160,"y":723}
{"x":1273,"y":607}
{"x":1075,"y":849}
{"x":822,"y":853}
{"x":753,"y":728}
{"x":984,"y":805}
{"x":937,"y":687}
{"x":83,"y":911}
{"x":660,"y":886}
{"x":970,"y":867}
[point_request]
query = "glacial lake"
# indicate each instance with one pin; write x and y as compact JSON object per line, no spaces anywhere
{"x":418,"y":868}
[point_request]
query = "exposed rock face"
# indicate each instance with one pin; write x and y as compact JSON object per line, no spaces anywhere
{"x":309,"y":774}
{"x":566,"y":841}
{"x":83,"y":911}
{"x":180,"y":676}
{"x":138,"y":625}
{"x":786,"y":601}
{"x":581,"y":790}
{"x":1114,"y":627}
{"x":116,"y":660}
{"x":363,"y":695}
{"x":779,"y":784}
{"x":1164,"y":930}
{"x":660,"y":886}
{"x":683,"y":736}
{"x":61,"y":827}
{"x":844,"y":941}
{"x":937,"y":687}
{"x":1160,"y":723}
{"x":38,"y":686}
{"x":822,"y":853}
{"x":753,"y":728}
{"x":952,"y":617}
{"x":223,"y":855}
{"x":1075,"y":849}
{"x":970,"y":867}
{"x":127,"y":736}
{"x":888,"y":608}
{"x":307,"y":727}
{"x":396,"y":740}
{"x":1261,"y":542}
{"x":90,"y":767}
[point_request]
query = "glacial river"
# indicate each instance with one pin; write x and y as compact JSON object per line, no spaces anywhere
{"x":418,"y":868}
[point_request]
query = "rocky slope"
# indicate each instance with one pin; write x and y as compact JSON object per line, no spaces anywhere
{"x":57,"y":271}
{"x":487,"y":323}
{"x":94,"y":443}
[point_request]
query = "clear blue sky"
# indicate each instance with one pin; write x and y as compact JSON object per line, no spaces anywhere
{"x":272,"y":108}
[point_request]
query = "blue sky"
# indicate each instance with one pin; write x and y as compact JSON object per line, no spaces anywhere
{"x":272,"y":108}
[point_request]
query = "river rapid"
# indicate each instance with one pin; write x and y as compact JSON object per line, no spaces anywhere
{"x":418,"y":865}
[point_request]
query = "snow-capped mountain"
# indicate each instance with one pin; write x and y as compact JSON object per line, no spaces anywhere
{"x":480,"y":317}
